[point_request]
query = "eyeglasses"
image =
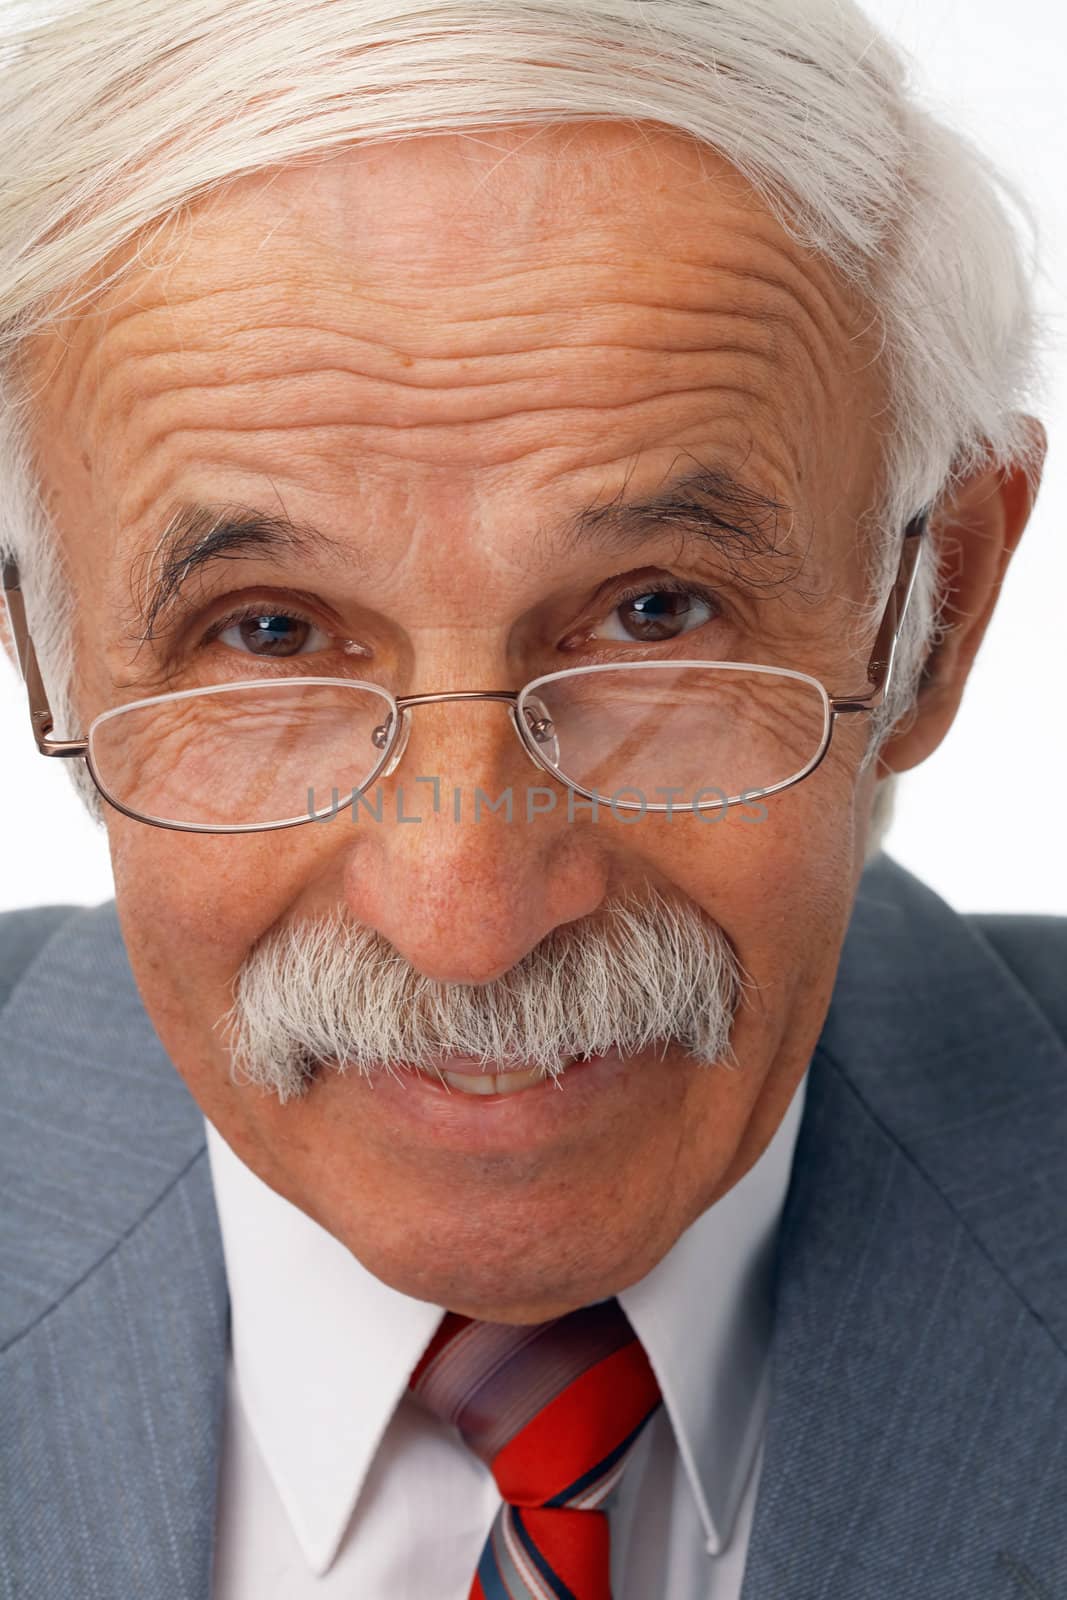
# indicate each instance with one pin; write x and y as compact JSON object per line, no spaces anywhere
{"x":251,"y":756}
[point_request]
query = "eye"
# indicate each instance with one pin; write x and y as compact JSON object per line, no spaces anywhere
{"x":259,"y":632}
{"x":652,"y":615}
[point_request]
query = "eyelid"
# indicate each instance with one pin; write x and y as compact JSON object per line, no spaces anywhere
{"x":669,"y":585}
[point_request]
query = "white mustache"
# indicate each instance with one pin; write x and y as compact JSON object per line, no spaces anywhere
{"x":645,"y":971}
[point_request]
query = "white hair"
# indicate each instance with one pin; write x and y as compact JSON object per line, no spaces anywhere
{"x":116,"y":114}
{"x":646,"y":973}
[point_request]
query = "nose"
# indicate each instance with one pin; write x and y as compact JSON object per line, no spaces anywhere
{"x":476,"y":856}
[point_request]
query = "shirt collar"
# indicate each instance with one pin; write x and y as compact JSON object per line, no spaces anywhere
{"x":702,"y":1314}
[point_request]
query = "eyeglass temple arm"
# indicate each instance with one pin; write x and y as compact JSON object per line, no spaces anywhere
{"x":41,"y":718}
{"x":883,"y":654}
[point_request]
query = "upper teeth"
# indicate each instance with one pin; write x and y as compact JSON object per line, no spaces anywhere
{"x":492,"y":1083}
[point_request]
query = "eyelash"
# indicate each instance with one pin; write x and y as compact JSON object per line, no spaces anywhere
{"x":652,"y":586}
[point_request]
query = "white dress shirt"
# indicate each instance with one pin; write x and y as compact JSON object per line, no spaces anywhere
{"x":334,"y":1482}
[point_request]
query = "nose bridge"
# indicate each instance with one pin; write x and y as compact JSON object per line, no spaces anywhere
{"x":445,"y":734}
{"x":485,"y":874}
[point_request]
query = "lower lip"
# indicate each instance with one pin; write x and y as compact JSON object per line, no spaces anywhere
{"x":495,"y":1122}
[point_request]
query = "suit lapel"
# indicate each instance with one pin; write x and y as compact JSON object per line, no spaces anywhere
{"x":115,"y":1309}
{"x":914,"y":1444}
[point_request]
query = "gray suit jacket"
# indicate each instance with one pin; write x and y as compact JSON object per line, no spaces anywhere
{"x":917,"y":1439}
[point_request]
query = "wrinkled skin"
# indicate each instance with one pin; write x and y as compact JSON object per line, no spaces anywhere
{"x":435,"y":352}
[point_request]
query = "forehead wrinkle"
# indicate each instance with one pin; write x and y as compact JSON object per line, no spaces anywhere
{"x":331,"y":395}
{"x":323,"y":390}
{"x":837,"y":305}
{"x":481,"y":443}
{"x":644,"y":328}
{"x":729,"y":259}
{"x":180,"y":434}
{"x":625,"y":308}
{"x":791,"y":320}
{"x":821,"y":332}
{"x":337,"y":411}
{"x":639,"y":319}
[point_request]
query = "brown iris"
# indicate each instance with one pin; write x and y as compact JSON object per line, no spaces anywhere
{"x":660,"y":614}
{"x":274,"y":634}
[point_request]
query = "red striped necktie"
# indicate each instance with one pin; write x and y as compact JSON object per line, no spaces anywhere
{"x":554,"y":1409}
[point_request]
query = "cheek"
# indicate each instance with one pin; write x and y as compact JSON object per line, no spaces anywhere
{"x":779,"y":878}
{"x":191,"y":906}
{"x":781,"y":889}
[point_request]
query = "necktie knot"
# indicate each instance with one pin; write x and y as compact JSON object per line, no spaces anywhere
{"x":554,"y":1409}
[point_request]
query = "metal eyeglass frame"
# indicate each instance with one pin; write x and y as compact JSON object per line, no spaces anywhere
{"x":879,"y":678}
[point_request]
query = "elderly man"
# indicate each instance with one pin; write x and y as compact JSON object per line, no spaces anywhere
{"x":494,"y":494}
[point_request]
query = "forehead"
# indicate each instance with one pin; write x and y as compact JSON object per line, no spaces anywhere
{"x":438,"y":300}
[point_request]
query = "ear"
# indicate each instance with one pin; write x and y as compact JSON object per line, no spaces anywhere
{"x":975,"y":531}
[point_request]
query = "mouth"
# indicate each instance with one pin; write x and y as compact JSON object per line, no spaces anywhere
{"x":466,"y":1106}
{"x":469,"y":1075}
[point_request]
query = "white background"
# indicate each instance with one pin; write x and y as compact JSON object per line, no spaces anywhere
{"x":982,"y":820}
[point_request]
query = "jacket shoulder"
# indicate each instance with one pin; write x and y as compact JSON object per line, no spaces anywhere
{"x":1034,"y":949}
{"x":23,"y":935}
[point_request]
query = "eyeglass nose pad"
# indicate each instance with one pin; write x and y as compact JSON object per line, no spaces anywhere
{"x":539,"y":728}
{"x":401,"y":744}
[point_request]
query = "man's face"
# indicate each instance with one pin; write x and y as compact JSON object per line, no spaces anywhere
{"x":437,"y":353}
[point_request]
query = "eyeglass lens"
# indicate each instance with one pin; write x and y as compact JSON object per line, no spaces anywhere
{"x":241,"y":755}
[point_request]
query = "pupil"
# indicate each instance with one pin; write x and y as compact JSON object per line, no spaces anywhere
{"x":657,"y":615}
{"x":273,"y":635}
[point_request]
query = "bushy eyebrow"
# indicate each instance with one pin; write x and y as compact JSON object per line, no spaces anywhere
{"x":198,"y":535}
{"x":709,"y":505}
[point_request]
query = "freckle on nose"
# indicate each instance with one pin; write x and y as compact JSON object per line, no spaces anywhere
{"x":86,"y":463}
